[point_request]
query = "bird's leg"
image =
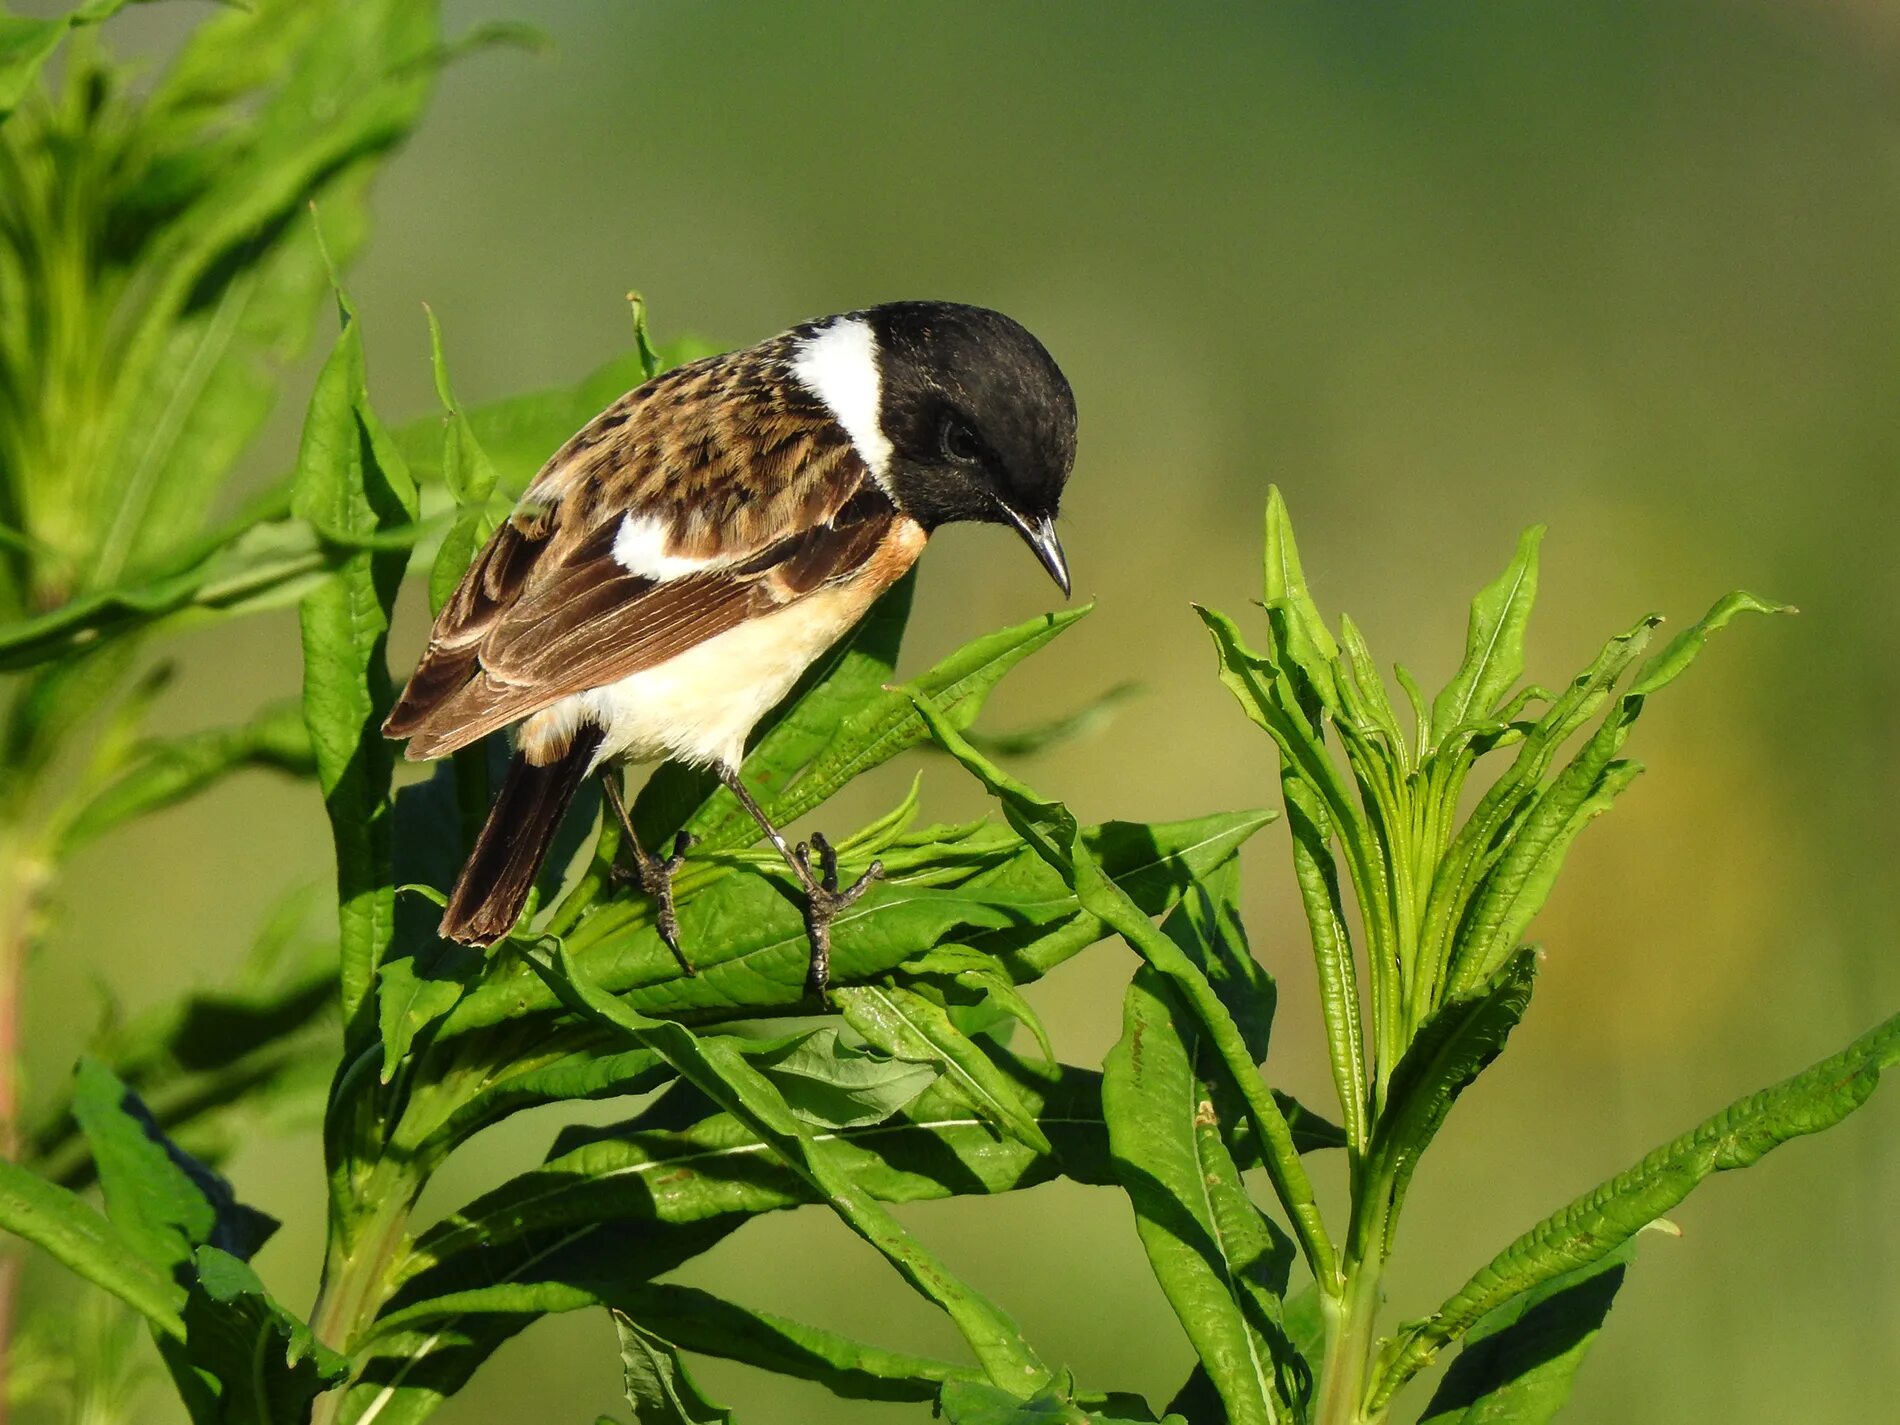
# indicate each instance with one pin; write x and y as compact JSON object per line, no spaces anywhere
{"x":654,"y":873}
{"x":823,"y":898}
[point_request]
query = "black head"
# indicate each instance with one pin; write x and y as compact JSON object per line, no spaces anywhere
{"x":980,"y":420}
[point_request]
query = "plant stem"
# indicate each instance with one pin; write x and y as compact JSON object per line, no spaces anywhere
{"x":1350,"y":1319}
{"x":23,"y":876}
{"x":356,"y":1269}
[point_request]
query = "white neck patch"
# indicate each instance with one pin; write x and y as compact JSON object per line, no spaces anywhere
{"x":838,"y":365}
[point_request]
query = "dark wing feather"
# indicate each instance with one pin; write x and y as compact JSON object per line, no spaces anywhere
{"x":736,"y":462}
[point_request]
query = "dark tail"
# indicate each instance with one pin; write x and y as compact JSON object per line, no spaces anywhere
{"x":521,"y":825}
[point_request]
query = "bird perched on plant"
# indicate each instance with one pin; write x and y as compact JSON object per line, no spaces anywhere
{"x":676,"y":566}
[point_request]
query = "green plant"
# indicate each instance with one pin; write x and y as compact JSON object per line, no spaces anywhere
{"x":158,"y":270}
{"x":738,"y":1101}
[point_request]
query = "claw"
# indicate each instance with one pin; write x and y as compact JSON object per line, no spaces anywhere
{"x":655,"y":876}
{"x":823,"y":901}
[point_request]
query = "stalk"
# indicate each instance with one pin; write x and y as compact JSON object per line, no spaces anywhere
{"x":23,"y":877}
{"x":357,"y":1269}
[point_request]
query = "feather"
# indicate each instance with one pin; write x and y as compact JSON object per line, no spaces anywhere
{"x":521,"y":825}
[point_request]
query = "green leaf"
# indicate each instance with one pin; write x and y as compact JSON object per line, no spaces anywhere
{"x":327,"y":90}
{"x":264,"y":1362}
{"x":968,"y":1402}
{"x":406,"y":1371}
{"x":1317,"y":875}
{"x":1668,"y":665}
{"x":1519,"y":1361}
{"x":710,"y":1326}
{"x":658,"y":1385}
{"x":268,"y":561}
{"x":831,"y":1084}
{"x":1494,"y":643}
{"x":1523,"y":869}
{"x":552,"y":1074}
{"x":26,"y":44}
{"x":742,"y":921}
{"x":1220,"y":1263}
{"x":166,"y":772}
{"x":423,"y":975}
{"x":1302,"y":637}
{"x":1268,"y":697}
{"x":1473,"y":851}
{"x":1450,"y":1049}
{"x":719,"y":1071}
{"x":1590,"y":1227}
{"x":1051,"y":830}
{"x":470,"y":476}
{"x":713,"y":1165}
{"x":351,"y":478}
{"x":166,"y":1204}
{"x":906,"y":1025}
{"x":1086,"y":721}
{"x":82,"y":1240}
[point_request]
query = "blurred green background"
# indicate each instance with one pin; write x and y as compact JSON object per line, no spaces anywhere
{"x":1439,"y":272}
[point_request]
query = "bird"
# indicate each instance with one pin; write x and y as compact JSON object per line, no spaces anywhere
{"x":680,"y":561}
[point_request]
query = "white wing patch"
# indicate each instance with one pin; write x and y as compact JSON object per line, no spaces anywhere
{"x":640,"y":546}
{"x":838,"y":365}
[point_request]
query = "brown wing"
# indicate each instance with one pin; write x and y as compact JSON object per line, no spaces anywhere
{"x":733,"y":462}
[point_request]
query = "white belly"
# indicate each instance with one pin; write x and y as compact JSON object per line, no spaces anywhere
{"x":700,"y":706}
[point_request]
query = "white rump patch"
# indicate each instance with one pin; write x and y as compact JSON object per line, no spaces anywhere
{"x":640,"y":546}
{"x":838,"y":365}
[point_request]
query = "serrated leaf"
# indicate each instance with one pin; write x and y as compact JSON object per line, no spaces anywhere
{"x":831,"y":1084}
{"x":351,"y":478}
{"x":1301,"y":639}
{"x":1450,"y":1050}
{"x":658,"y":1385}
{"x":1681,"y":650}
{"x":1590,"y":1227}
{"x":747,"y":931}
{"x":705,"y":1165}
{"x":1519,"y":1361}
{"x":1317,"y":876}
{"x":470,"y":476}
{"x":1085,"y":722}
{"x":1051,"y":830}
{"x":710,"y":1326}
{"x":165,"y":1203}
{"x":269,"y":560}
{"x":552,"y":1074}
{"x":1494,"y":642}
{"x":1521,"y":870}
{"x":264,"y":1363}
{"x":423,"y":975}
{"x":1220,"y":1263}
{"x":716,"y":1069}
{"x":906,"y":1025}
{"x":405,"y":1372}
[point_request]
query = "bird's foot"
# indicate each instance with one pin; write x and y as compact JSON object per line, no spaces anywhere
{"x":654,"y":875}
{"x":823,"y":901}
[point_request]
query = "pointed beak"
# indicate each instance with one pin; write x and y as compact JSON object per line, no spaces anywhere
{"x":1040,"y":535}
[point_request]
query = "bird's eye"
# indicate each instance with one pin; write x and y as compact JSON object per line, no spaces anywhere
{"x":960,"y":444}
